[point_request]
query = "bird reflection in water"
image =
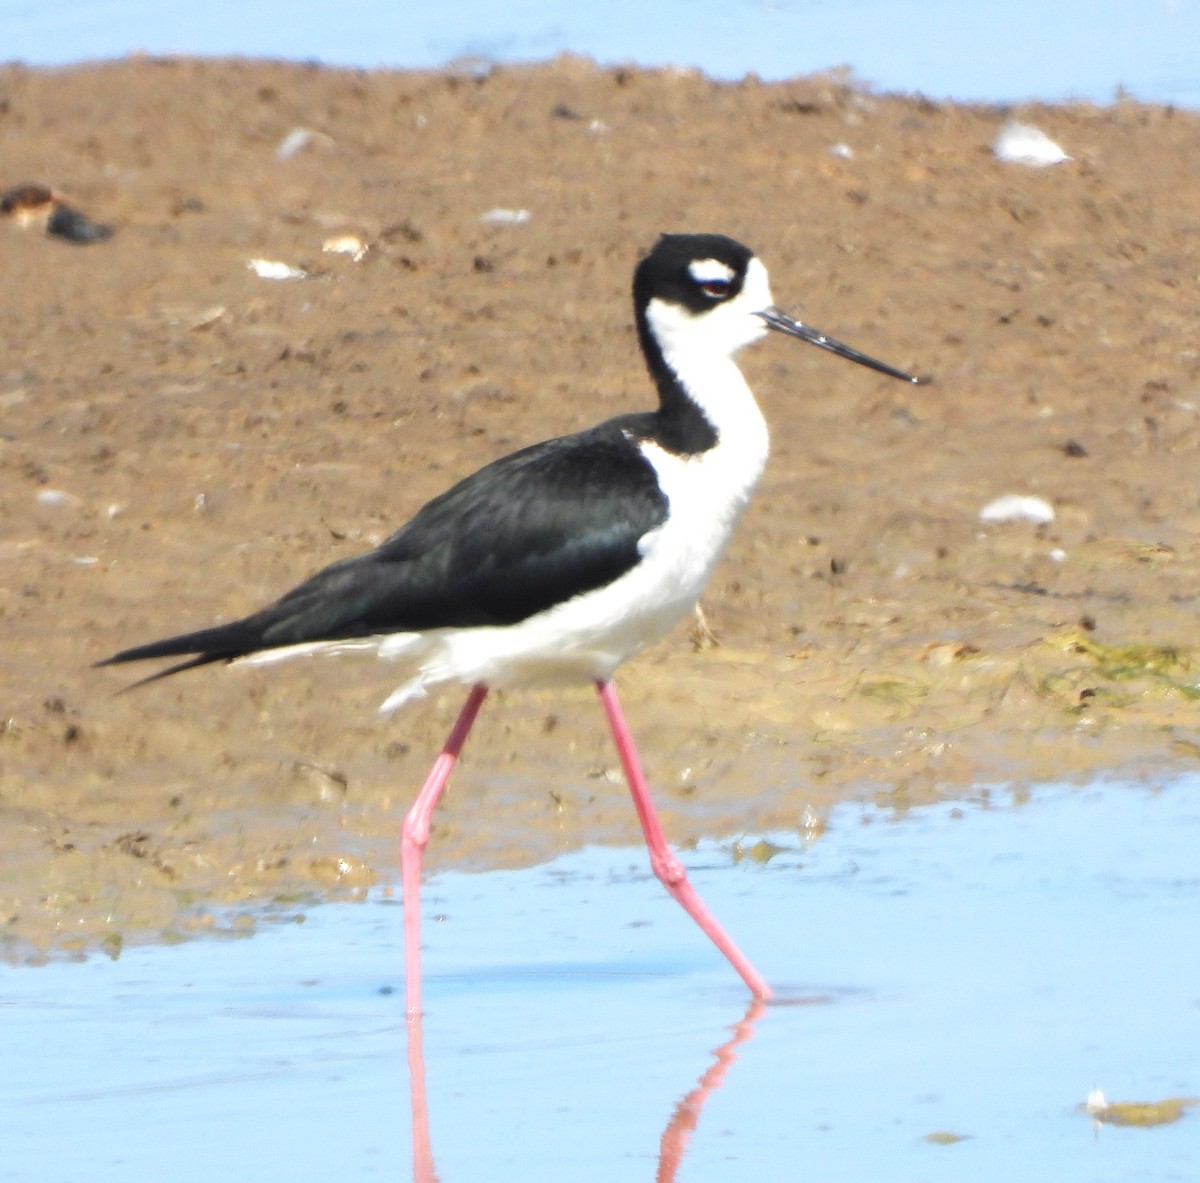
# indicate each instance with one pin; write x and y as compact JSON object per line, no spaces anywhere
{"x":675,"y":1137}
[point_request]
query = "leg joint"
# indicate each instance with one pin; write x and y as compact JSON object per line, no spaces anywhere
{"x":668,"y":869}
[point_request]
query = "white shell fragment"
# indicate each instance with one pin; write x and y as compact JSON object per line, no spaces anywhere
{"x":842,"y":151}
{"x":272,"y":269}
{"x":506,"y":217}
{"x":1022,"y":143}
{"x":346,"y":244}
{"x":1014,"y":507}
{"x":58,"y":498}
{"x":298,"y":139}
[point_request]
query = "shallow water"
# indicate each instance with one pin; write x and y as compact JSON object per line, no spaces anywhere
{"x":1014,"y":50}
{"x":971,"y":969}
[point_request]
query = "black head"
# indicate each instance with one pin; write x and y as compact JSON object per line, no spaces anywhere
{"x":702,"y":295}
{"x":692,"y":271}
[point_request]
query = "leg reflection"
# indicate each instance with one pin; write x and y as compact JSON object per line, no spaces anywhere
{"x":683,"y":1121}
{"x":422,"y":1148}
{"x":674,"y":1141}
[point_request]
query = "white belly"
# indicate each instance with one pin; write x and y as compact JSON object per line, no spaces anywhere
{"x":588,"y":637}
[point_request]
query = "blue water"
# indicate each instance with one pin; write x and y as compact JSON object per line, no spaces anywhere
{"x":973,"y":969}
{"x":981,"y":50}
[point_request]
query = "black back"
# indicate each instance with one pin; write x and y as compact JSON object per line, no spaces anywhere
{"x":522,"y":534}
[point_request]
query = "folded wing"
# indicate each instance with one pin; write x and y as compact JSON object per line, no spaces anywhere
{"x":517,"y":537}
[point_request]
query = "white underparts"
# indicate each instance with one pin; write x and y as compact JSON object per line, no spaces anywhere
{"x":588,"y":637}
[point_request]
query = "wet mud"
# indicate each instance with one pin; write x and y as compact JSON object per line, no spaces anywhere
{"x":182,"y":439}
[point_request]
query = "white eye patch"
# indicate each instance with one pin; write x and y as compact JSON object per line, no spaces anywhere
{"x":710,"y":271}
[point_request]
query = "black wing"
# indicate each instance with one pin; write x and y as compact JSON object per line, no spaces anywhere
{"x":520,"y":535}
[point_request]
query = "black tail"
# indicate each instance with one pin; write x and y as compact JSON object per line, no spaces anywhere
{"x":225,"y":642}
{"x":358,"y":597}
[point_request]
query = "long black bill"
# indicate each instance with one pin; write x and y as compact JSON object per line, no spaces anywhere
{"x":785,"y":324}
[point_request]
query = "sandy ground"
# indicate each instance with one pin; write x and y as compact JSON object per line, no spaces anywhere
{"x":181,"y":440}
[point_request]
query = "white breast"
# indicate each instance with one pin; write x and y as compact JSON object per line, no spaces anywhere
{"x":587,"y":637}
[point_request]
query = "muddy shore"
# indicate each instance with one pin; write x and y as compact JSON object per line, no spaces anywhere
{"x":181,"y":439}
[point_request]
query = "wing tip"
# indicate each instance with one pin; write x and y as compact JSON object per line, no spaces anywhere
{"x":178,"y":668}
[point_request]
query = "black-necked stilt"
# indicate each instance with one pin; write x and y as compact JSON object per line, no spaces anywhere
{"x":558,"y":562}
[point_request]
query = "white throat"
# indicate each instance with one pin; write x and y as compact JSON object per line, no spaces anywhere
{"x":700,"y":349}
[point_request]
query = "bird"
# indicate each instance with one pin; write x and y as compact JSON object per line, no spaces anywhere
{"x":556,"y":563}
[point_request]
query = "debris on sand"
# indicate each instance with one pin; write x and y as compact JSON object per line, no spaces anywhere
{"x":299,"y":139}
{"x":273,"y":269}
{"x":1022,"y":143}
{"x":346,"y":244}
{"x":37,"y":206}
{"x":1014,"y":507}
{"x":506,"y":217}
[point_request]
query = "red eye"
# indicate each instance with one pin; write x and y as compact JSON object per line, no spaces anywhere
{"x":717,"y":288}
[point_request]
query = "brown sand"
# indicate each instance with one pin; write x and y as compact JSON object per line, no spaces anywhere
{"x":181,"y":440}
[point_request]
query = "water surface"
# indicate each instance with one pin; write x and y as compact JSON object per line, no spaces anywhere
{"x":988,"y":50}
{"x":972,"y":970}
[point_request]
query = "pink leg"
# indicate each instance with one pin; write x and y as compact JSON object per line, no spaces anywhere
{"x":414,"y":836}
{"x":666,"y":866}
